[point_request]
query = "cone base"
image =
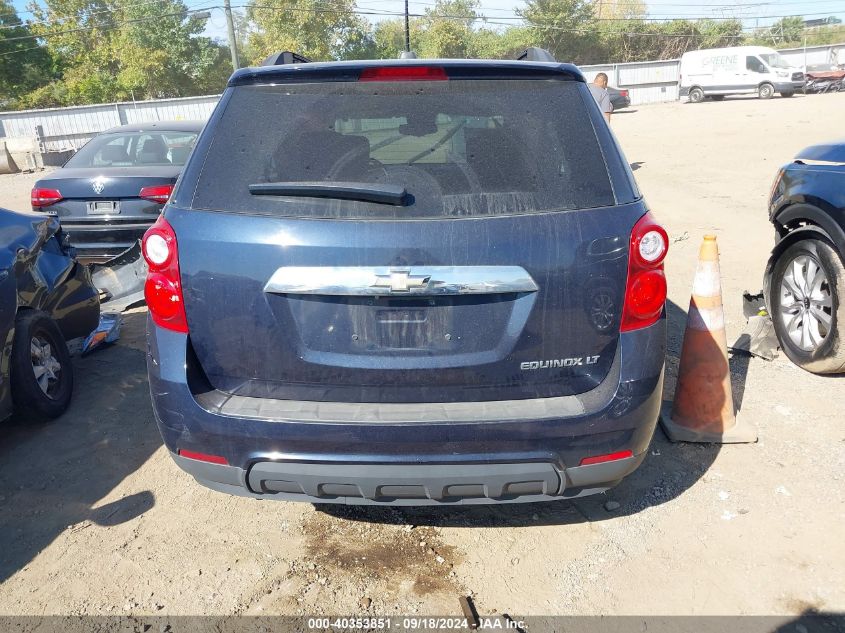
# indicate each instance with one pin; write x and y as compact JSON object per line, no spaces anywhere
{"x":741,"y":433}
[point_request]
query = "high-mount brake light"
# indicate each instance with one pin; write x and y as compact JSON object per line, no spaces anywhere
{"x":404,"y":73}
{"x":645,"y":292}
{"x":163,"y":287}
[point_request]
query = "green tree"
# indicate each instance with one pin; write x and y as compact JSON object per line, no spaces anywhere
{"x":787,"y":30}
{"x":566,"y":28}
{"x":447,"y":29}
{"x":24,"y":64}
{"x":116,"y":50}
{"x":316,"y":29}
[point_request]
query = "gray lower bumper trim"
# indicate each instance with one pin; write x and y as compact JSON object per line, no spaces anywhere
{"x":410,"y":484}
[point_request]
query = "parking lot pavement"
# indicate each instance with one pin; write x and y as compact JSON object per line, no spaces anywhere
{"x":95,"y":518}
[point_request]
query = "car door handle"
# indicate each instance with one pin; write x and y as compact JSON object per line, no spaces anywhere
{"x":400,"y":280}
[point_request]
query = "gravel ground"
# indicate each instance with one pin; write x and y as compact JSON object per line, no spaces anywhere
{"x":96,"y":519}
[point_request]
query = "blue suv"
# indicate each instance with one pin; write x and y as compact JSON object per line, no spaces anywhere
{"x":407,"y":282}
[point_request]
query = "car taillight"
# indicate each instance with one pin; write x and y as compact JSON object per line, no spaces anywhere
{"x":44,"y":197}
{"x":163,"y":288}
{"x":157,"y":193}
{"x":404,"y":73}
{"x":645,"y":293}
{"x":624,"y":93}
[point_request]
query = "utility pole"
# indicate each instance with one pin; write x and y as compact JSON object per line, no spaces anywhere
{"x":407,"y":29}
{"x":230,"y":25}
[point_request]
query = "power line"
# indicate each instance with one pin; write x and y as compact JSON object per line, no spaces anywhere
{"x":57,"y":19}
{"x":499,"y":20}
{"x":106,"y":27}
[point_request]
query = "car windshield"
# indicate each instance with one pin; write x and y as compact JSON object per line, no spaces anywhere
{"x":459,"y":148}
{"x":131,"y":149}
{"x":775,"y":60}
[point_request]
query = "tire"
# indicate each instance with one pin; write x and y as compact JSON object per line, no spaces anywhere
{"x":696,"y":95}
{"x":809,"y":326}
{"x":48,"y":398}
{"x":787,"y":94}
{"x":766,"y":91}
{"x":717,"y":97}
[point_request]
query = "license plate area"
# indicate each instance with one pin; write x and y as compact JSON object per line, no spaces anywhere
{"x":367,"y":326}
{"x":103,"y":207}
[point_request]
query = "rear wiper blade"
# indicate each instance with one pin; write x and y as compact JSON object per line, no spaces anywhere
{"x":366,"y":192}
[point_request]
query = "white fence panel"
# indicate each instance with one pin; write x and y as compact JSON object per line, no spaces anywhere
{"x":812,"y":55}
{"x":59,"y":129}
{"x":199,"y":109}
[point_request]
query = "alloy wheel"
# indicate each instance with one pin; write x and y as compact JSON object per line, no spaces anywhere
{"x":45,"y":365}
{"x":806,"y":305}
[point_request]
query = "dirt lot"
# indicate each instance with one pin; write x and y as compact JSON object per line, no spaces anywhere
{"x":96,"y":519}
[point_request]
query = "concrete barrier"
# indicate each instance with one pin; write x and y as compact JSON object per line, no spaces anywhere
{"x":7,"y":163}
{"x":23,"y":155}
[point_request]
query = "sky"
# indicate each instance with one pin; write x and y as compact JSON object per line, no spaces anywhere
{"x":753,"y":13}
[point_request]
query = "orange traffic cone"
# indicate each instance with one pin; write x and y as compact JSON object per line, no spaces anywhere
{"x":703,"y":408}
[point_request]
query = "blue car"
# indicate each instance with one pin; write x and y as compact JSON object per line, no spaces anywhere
{"x":805,"y":275}
{"x":407,"y":282}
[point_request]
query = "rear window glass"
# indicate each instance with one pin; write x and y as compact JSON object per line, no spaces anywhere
{"x":459,"y":148}
{"x":134,"y":149}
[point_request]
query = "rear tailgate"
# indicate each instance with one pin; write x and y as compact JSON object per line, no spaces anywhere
{"x":500,"y":276}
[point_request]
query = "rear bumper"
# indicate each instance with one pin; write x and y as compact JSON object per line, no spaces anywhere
{"x":100,"y":242}
{"x":494,"y":452}
{"x":789,"y":86}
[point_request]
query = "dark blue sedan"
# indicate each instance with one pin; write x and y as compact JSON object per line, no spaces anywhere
{"x":114,"y":188}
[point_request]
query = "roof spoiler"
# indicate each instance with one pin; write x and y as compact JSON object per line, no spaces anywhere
{"x":284,"y":57}
{"x":535,"y":54}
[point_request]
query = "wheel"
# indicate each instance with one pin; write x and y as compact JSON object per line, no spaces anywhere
{"x":807,"y":292}
{"x":766,"y":91}
{"x":717,"y":97}
{"x":787,"y":94}
{"x":696,"y":95}
{"x":41,"y":374}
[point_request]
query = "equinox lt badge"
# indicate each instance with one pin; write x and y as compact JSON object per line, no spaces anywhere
{"x":559,"y":362}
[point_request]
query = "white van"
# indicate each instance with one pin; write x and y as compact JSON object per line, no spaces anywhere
{"x":717,"y":72}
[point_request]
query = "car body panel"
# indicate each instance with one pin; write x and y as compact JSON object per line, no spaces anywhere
{"x":38,"y":271}
{"x":619,"y":414}
{"x":812,"y":189}
{"x":282,"y":345}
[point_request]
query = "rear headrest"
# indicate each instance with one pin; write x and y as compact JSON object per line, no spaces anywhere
{"x":322,"y":154}
{"x":154,"y":150}
{"x":114,"y":154}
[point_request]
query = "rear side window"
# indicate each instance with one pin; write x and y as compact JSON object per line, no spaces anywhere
{"x":460,"y":148}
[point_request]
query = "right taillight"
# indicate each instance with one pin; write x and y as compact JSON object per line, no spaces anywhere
{"x":163,"y":288}
{"x":645,"y":292}
{"x":40,"y":197}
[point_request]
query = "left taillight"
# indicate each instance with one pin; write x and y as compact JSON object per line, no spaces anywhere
{"x":645,"y":292}
{"x":156,"y":193}
{"x":163,"y":287}
{"x":40,"y":197}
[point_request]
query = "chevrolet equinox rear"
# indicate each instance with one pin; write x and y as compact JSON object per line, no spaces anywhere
{"x":407,"y":282}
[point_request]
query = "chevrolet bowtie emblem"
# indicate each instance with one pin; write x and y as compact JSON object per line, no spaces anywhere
{"x":401,"y":281}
